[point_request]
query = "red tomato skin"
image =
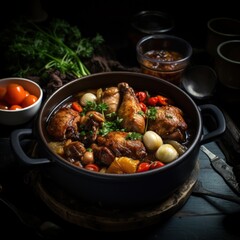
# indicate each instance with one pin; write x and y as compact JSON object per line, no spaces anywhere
{"x":15,"y":94}
{"x":15,"y":107}
{"x":29,"y":100}
{"x":92,"y":167}
{"x":152,"y":101}
{"x":141,"y":96}
{"x":143,"y":167}
{"x":26,"y":93}
{"x":143,"y":107}
{"x":156,"y":164}
{"x":162,"y":100}
{"x":3,"y":91}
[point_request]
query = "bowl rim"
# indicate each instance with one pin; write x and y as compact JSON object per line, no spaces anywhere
{"x":164,"y":37}
{"x":26,"y":80}
{"x":219,"y":48}
{"x":220,"y":19}
{"x":163,"y":15}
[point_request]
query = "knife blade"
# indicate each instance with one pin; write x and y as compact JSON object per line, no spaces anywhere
{"x":223,"y":169}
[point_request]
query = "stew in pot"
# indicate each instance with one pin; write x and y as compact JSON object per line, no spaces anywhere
{"x":118,"y":130}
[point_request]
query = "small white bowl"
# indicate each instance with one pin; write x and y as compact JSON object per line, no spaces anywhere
{"x":21,"y":116}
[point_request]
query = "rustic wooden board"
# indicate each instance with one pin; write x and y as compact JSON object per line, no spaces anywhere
{"x":110,"y":220}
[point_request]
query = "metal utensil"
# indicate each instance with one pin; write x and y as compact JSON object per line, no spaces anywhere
{"x":224,"y":169}
{"x":199,"y":190}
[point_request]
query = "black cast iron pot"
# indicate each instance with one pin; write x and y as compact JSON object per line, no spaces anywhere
{"x":119,"y":190}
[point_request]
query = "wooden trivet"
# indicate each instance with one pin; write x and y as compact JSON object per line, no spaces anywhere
{"x":113,"y":220}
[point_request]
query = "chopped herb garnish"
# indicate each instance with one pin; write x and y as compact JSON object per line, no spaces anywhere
{"x":151,"y":115}
{"x":109,"y":126}
{"x":93,"y":106}
{"x":134,"y":136}
{"x":141,"y":113}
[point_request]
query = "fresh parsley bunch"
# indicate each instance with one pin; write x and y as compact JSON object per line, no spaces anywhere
{"x":32,"y":49}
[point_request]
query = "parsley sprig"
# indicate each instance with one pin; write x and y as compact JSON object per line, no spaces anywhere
{"x":151,"y":114}
{"x":31,"y":48}
{"x":93,"y":106}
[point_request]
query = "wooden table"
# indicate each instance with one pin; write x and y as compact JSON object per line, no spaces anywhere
{"x":204,"y":218}
{"x":199,"y":218}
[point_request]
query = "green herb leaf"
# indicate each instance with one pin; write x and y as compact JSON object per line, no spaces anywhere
{"x":33,"y":48}
{"x":134,"y":136}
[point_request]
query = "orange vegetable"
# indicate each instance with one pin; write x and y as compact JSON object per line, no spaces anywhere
{"x":123,"y":165}
{"x":76,"y":106}
{"x":15,"y":107}
{"x":15,"y":94}
{"x":29,"y":100}
{"x":3,"y":91}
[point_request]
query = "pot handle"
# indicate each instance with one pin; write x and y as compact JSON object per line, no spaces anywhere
{"x":15,"y":139}
{"x":216,"y":113}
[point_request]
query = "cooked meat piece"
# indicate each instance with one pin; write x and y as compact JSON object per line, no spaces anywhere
{"x":63,"y":124}
{"x":97,"y":117}
{"x":74,"y":151}
{"x":130,"y":110}
{"x":111,"y":97}
{"x":169,"y":123}
{"x":120,"y":146}
{"x":102,"y":154}
{"x":89,"y":125}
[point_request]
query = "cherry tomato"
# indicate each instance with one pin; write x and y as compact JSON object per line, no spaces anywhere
{"x":27,"y":93}
{"x":152,"y":101}
{"x":143,"y":167}
{"x":29,"y":100}
{"x":143,"y":107}
{"x":156,"y":164}
{"x":92,"y":167}
{"x":15,"y":107}
{"x":162,"y":100}
{"x":141,"y":96}
{"x":15,"y":94}
{"x":3,"y":91}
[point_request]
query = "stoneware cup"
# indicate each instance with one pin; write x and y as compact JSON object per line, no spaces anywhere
{"x":227,"y":63}
{"x":220,"y":30}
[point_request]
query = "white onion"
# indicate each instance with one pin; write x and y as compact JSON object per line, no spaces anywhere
{"x":152,"y":140}
{"x":87,"y":158}
{"x":166,"y":153}
{"x":87,"y":97}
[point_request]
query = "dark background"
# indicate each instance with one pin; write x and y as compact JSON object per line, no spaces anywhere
{"x":112,"y":18}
